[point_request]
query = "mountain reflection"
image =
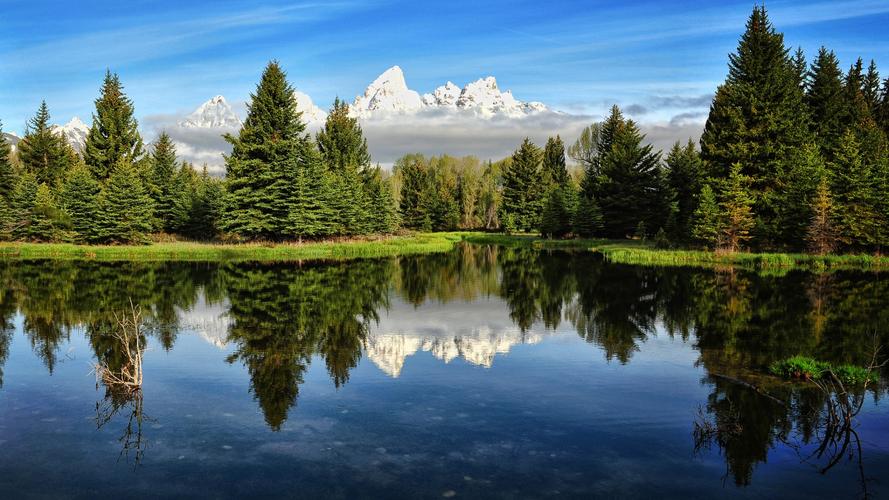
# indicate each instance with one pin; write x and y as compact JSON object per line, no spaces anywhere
{"x":474,"y":303}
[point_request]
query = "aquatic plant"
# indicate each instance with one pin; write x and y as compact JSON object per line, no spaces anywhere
{"x":806,"y":368}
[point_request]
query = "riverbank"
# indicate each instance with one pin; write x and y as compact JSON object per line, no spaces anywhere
{"x":644,"y":253}
{"x":411,"y":244}
{"x":618,"y":251}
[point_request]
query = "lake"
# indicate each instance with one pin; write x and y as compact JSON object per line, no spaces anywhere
{"x":485,"y":372}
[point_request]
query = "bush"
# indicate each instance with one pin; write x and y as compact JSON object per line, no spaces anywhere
{"x":805,"y":368}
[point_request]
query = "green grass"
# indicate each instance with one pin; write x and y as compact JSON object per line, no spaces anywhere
{"x":805,"y":368}
{"x":205,"y":252}
{"x":619,"y":251}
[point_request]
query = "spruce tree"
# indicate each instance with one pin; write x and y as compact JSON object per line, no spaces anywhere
{"x":165,"y":189}
{"x":587,"y":221}
{"x":7,"y":170}
{"x":265,"y":160}
{"x":554,"y":168}
{"x":48,"y":223}
{"x":380,"y":195}
{"x":341,"y":141}
{"x":114,"y":135}
{"x":312,"y":213}
{"x":821,"y":234}
{"x":559,"y":211}
{"x":758,"y":120}
{"x":630,"y":187}
{"x":736,"y":210}
{"x":870,"y":87}
{"x":43,"y":152}
{"x":79,"y":199}
{"x":826,"y":102}
{"x":22,"y":207}
{"x":705,"y":221}
{"x":125,"y":207}
{"x":853,"y":186}
{"x":522,"y":187}
{"x":685,"y":176}
{"x":414,"y":179}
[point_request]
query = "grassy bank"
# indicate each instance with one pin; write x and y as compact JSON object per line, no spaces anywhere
{"x":618,"y":251}
{"x":643,"y":253}
{"x":204,"y":252}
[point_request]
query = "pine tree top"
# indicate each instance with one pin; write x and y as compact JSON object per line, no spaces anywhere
{"x":341,"y":141}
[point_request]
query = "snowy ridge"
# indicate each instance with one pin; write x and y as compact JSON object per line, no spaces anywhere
{"x":311,"y":114}
{"x":12,"y":139}
{"x":389,"y":350}
{"x":74,"y":132}
{"x":390,"y":95}
{"x":215,"y":113}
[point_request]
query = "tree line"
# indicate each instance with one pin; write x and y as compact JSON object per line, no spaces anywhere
{"x":792,"y":157}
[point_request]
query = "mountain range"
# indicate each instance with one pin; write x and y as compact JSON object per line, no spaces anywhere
{"x":386,"y":96}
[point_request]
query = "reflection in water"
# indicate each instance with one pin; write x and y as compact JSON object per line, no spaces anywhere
{"x":276,"y":319}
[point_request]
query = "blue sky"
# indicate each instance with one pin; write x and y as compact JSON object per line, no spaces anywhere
{"x":577,"y":57}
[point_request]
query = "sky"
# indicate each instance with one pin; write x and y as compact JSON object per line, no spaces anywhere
{"x":660,"y":60}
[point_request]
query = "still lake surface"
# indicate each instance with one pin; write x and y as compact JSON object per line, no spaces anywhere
{"x":485,"y":372}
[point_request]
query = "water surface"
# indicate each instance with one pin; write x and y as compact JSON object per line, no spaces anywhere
{"x":485,"y":372}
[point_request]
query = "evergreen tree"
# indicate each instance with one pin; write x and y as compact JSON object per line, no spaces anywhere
{"x":870,"y":87}
{"x":800,"y":70}
{"x":114,"y":135}
{"x":312,"y":213}
{"x":412,"y":203}
{"x":7,"y":170}
{"x":48,"y":223}
{"x":125,"y":207}
{"x":630,"y":186}
{"x":559,"y":211}
{"x":165,"y":189}
{"x":22,"y":207}
{"x":522,"y":187}
{"x":735,"y":210}
{"x":685,"y":172}
{"x":758,"y":120}
{"x":43,"y":152}
{"x":587,"y":220}
{"x":79,"y":199}
{"x":826,"y":102}
{"x":341,"y":142}
{"x":793,"y":201}
{"x":206,"y":207}
{"x":265,"y":160}
{"x":821,"y":235}
{"x":380,"y":195}
{"x":855,"y":196}
{"x":554,"y":169}
{"x":705,"y":222}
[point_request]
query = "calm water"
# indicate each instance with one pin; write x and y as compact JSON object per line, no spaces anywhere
{"x":484,"y":372}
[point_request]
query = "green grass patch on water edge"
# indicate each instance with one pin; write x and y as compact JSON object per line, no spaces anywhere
{"x":805,"y":368}
{"x":411,"y":244}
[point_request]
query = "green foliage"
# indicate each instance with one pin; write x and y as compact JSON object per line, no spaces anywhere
{"x":821,"y":235}
{"x":168,"y":186}
{"x":114,"y":136}
{"x":79,"y":199}
{"x":266,"y":156}
{"x":736,"y":215}
{"x":341,"y":142}
{"x":588,"y":220}
{"x":826,"y":102}
{"x":43,"y":152}
{"x":805,"y":368}
{"x":758,"y":119}
{"x":705,"y":221}
{"x":523,"y":187}
{"x":685,"y":176}
{"x":7,"y":170}
{"x":554,"y":166}
{"x":855,"y":194}
{"x":559,"y":211}
{"x":125,"y":207}
{"x":48,"y":222}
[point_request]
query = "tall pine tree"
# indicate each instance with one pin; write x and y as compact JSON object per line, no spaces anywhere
{"x":42,"y":151}
{"x":685,"y":176}
{"x":114,"y":135}
{"x":125,"y":207}
{"x":80,"y":198}
{"x":758,"y":120}
{"x":826,"y":102}
{"x":265,"y":158}
{"x":523,"y":192}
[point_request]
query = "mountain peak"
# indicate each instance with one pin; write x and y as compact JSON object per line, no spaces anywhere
{"x":388,"y":94}
{"x":215,"y":113}
{"x":74,"y":132}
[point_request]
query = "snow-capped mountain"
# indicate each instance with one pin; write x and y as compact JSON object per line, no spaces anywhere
{"x":12,"y":139}
{"x":387,"y":95}
{"x":479,"y":347}
{"x":215,"y":113}
{"x":311,"y":114}
{"x":390,"y":95}
{"x":74,"y":132}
